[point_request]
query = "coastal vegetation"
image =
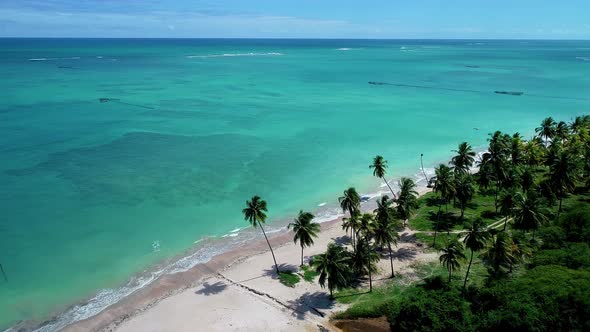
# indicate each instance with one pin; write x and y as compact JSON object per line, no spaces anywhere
{"x":515,"y":253}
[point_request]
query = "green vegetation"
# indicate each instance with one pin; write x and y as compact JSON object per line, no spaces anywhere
{"x":289,"y":278}
{"x":305,"y":230}
{"x":309,"y":274}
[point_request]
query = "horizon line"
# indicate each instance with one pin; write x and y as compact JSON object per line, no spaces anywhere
{"x":293,"y":38}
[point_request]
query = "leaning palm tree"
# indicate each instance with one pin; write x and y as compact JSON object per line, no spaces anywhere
{"x":444,"y":187}
{"x":379,"y":167}
{"x":452,"y":256}
{"x":529,"y":212}
{"x":547,"y":129}
{"x":350,"y":202}
{"x":305,"y":230}
{"x":475,"y":240}
{"x":333,"y":266}
{"x":464,"y":158}
{"x":385,"y":234}
{"x":407,"y":200}
{"x":255,"y":214}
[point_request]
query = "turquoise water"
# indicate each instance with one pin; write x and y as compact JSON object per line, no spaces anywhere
{"x":93,"y":193}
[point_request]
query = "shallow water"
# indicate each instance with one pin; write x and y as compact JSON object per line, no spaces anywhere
{"x":93,"y":193}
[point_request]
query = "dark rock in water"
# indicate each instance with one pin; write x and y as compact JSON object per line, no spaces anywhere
{"x":65,"y":67}
{"x":511,"y":93}
{"x":377,"y":83}
{"x":471,"y":66}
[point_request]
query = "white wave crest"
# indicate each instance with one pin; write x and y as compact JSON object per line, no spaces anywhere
{"x":583,"y":58}
{"x":233,"y":55}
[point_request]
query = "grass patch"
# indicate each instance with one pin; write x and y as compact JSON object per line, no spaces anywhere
{"x":289,"y":278}
{"x":309,"y":274}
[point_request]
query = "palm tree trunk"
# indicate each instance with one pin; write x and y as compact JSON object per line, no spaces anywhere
{"x":422,"y":165}
{"x":496,"y":196}
{"x":437,"y":222}
{"x":449,"y":275}
{"x":559,"y":210}
{"x":370,"y":276}
{"x":462,"y":210}
{"x":468,"y":268}
{"x":505,"y":222}
{"x":394,"y":196}
{"x":391,"y":259}
{"x":301,"y":254}
{"x":272,"y":252}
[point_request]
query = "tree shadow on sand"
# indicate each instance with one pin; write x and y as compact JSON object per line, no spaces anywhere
{"x":211,"y":289}
{"x":342,"y":240}
{"x":407,"y":238}
{"x":271,"y":272}
{"x":404,"y":254}
{"x":312,"y":303}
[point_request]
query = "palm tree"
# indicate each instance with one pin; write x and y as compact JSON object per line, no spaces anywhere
{"x":498,"y":255}
{"x":452,"y":255}
{"x":562,"y":131}
{"x":305,"y":230}
{"x":546,"y":130}
{"x":363,"y":260}
{"x":407,"y":200}
{"x":507,"y":198}
{"x":562,"y":175}
{"x":464,"y":159}
{"x":529,"y":212}
{"x":379,"y":167}
{"x":580,"y":122}
{"x":350,"y":202}
{"x":444,"y":186}
{"x":385,"y":232}
{"x":475,"y":240}
{"x":333,"y":266}
{"x":516,"y":149}
{"x":255,"y":214}
{"x":496,"y":159}
{"x":464,"y":190}
{"x":533,"y":152}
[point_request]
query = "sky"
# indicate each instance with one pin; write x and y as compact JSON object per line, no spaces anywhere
{"x":429,"y":19}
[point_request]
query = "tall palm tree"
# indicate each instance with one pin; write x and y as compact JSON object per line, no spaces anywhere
{"x":475,"y":240}
{"x":385,"y":232}
{"x":580,"y":122}
{"x":444,"y":187}
{"x":529,"y":212}
{"x":562,"y":175}
{"x":464,"y":190}
{"x":547,"y":129}
{"x":305,"y":230}
{"x":496,"y":158}
{"x":452,"y":256}
{"x":533,"y":152}
{"x":379,"y":167}
{"x":407,"y":200}
{"x":464,"y":158}
{"x":350,"y":202}
{"x":255,"y":214}
{"x":499,"y":254}
{"x":562,"y":131}
{"x":507,"y":202}
{"x":333,"y":266}
{"x":516,"y":149}
{"x":363,"y":260}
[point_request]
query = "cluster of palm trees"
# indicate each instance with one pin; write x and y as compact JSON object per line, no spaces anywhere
{"x":526,"y":178}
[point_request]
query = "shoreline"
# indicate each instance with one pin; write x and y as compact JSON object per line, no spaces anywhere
{"x":170,"y":284}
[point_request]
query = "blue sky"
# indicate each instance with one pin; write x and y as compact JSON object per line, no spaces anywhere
{"x":510,"y":19}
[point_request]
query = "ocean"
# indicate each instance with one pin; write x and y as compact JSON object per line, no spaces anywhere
{"x":119,"y":157}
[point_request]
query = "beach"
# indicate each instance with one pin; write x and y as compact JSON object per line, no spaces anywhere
{"x":239,"y":290}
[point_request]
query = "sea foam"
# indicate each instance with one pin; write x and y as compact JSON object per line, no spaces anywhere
{"x":233,"y":55}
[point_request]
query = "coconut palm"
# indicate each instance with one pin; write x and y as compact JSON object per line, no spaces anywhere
{"x":305,"y":230}
{"x":379,"y":167}
{"x":496,"y":158}
{"x":529,"y":212}
{"x":444,"y":187}
{"x":407,"y":200}
{"x":527,"y":178}
{"x":580,"y":122}
{"x":464,"y":158}
{"x":385,"y":234}
{"x":363,"y":260}
{"x":562,"y":175}
{"x":384,"y":213}
{"x":333,"y":266}
{"x":255,"y":214}
{"x":516,"y":149}
{"x":562,"y":131}
{"x":533,"y":152}
{"x":475,"y":240}
{"x":507,"y":203}
{"x":452,"y":256}
{"x":546,"y":130}
{"x":350,"y":202}
{"x":499,"y":254}
{"x":464,"y":190}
